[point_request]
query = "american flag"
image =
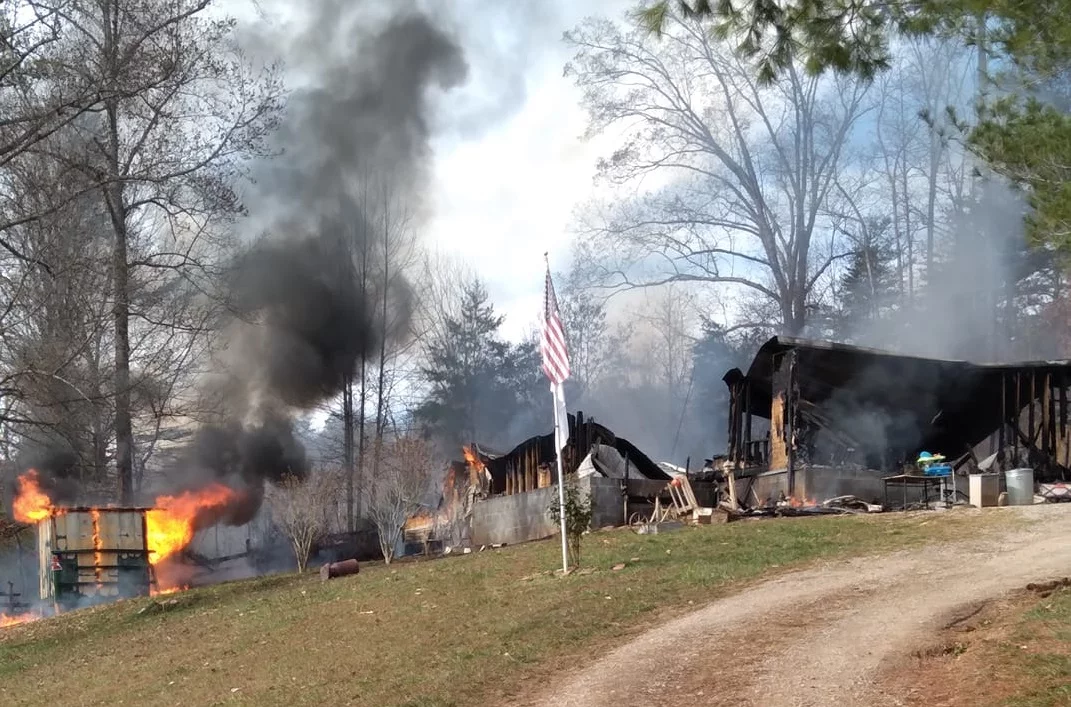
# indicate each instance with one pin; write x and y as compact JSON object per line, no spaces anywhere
{"x":552,"y":339}
{"x":555,"y":361}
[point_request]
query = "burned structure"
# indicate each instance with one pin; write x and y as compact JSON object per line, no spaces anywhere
{"x":494,"y":497}
{"x":92,"y":555}
{"x":811,"y":420}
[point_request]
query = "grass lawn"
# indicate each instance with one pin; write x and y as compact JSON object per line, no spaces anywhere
{"x":1038,"y":652}
{"x":458,"y":631}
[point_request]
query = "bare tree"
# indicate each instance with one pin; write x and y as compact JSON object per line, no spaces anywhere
{"x":401,"y":488}
{"x":922,"y":172}
{"x":300,"y":509}
{"x":595,"y":344}
{"x":744,"y":173}
{"x":184,"y":114}
{"x":394,"y":240}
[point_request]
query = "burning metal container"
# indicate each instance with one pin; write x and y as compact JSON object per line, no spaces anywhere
{"x":93,"y":554}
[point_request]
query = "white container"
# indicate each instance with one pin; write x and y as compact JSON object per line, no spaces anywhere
{"x":984,"y":490}
{"x":1020,"y":487}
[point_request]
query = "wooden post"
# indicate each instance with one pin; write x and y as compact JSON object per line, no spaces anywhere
{"x":1061,"y":381}
{"x":1044,"y":400}
{"x":790,"y":423}
{"x":1018,"y":414}
{"x":1003,"y":412}
{"x":1050,"y":412}
{"x":734,"y":402}
{"x":1030,"y":415}
{"x":747,"y":419}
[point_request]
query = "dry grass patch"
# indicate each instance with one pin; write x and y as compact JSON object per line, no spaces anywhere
{"x":1012,"y":652}
{"x":459,"y":631}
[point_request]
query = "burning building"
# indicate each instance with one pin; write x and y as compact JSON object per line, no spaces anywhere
{"x":93,"y":554}
{"x":87,"y":554}
{"x":494,"y":497}
{"x":813,"y":420}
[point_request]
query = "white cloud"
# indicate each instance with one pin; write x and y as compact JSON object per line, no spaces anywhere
{"x":503,"y":198}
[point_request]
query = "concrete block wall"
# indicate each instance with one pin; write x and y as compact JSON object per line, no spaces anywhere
{"x":513,"y":519}
{"x":607,"y":505}
{"x":523,"y":516}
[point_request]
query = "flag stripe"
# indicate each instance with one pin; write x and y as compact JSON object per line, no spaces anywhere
{"x":552,"y":340}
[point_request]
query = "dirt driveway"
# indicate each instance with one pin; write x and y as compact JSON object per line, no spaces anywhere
{"x":820,"y":636}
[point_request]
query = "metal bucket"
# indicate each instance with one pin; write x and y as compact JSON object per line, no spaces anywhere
{"x":1020,"y":484}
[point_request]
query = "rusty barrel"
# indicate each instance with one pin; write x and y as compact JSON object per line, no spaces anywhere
{"x":339,"y":569}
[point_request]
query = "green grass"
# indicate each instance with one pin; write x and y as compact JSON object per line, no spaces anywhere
{"x":1045,"y":664}
{"x":445,"y":632}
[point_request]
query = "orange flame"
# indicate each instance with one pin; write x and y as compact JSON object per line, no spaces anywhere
{"x":13,"y":619}
{"x":98,"y":545}
{"x":802,"y":503}
{"x":477,"y":469}
{"x":171,"y":524}
{"x":471,"y":458}
{"x":31,"y":504}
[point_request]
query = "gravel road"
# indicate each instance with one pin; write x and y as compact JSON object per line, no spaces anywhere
{"x":818,"y":636}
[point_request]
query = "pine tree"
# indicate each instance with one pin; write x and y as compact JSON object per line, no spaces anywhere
{"x":868,"y":286}
{"x":714,"y":354}
{"x":469,"y":370}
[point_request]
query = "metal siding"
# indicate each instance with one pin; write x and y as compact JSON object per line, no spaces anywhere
{"x":45,"y":535}
{"x":131,"y":531}
{"x":72,"y":531}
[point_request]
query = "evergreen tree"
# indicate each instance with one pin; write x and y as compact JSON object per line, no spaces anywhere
{"x":714,"y":354}
{"x":868,"y":288}
{"x":471,"y":371}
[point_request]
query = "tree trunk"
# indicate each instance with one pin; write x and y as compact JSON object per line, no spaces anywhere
{"x":931,"y":200}
{"x":362,"y":265}
{"x":908,"y":235}
{"x":124,"y":433}
{"x":363,"y":400}
{"x":794,"y":312}
{"x":347,"y":448}
{"x":117,"y":211}
{"x":383,"y":328}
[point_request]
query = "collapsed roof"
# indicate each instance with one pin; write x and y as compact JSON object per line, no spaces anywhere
{"x":907,"y":401}
{"x":584,"y":437}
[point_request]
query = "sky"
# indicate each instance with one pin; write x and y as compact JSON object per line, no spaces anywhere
{"x":505,"y":192}
{"x":510,"y":162}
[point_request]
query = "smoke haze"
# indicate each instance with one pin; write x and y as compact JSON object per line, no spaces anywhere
{"x":359,"y":124}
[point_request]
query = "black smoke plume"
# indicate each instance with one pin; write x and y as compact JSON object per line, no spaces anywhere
{"x":303,"y":318}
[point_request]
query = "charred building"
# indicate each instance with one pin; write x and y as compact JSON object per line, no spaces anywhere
{"x":502,"y":497}
{"x":811,"y":420}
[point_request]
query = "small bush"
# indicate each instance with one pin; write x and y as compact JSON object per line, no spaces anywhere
{"x":577,"y":516}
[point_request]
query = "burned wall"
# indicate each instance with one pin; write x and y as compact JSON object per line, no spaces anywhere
{"x":816,"y":484}
{"x":524,"y":516}
{"x":515,"y":518}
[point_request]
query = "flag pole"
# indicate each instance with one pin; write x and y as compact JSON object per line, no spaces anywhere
{"x":555,"y":390}
{"x":561,"y":478}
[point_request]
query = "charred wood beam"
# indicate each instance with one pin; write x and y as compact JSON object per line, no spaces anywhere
{"x":1043,"y":422}
{"x":747,"y":412}
{"x":1062,"y":382}
{"x":1003,"y":413}
{"x":791,"y":408}
{"x":1051,"y":426}
{"x":1017,"y":416}
{"x":809,"y":413}
{"x":1031,"y":430}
